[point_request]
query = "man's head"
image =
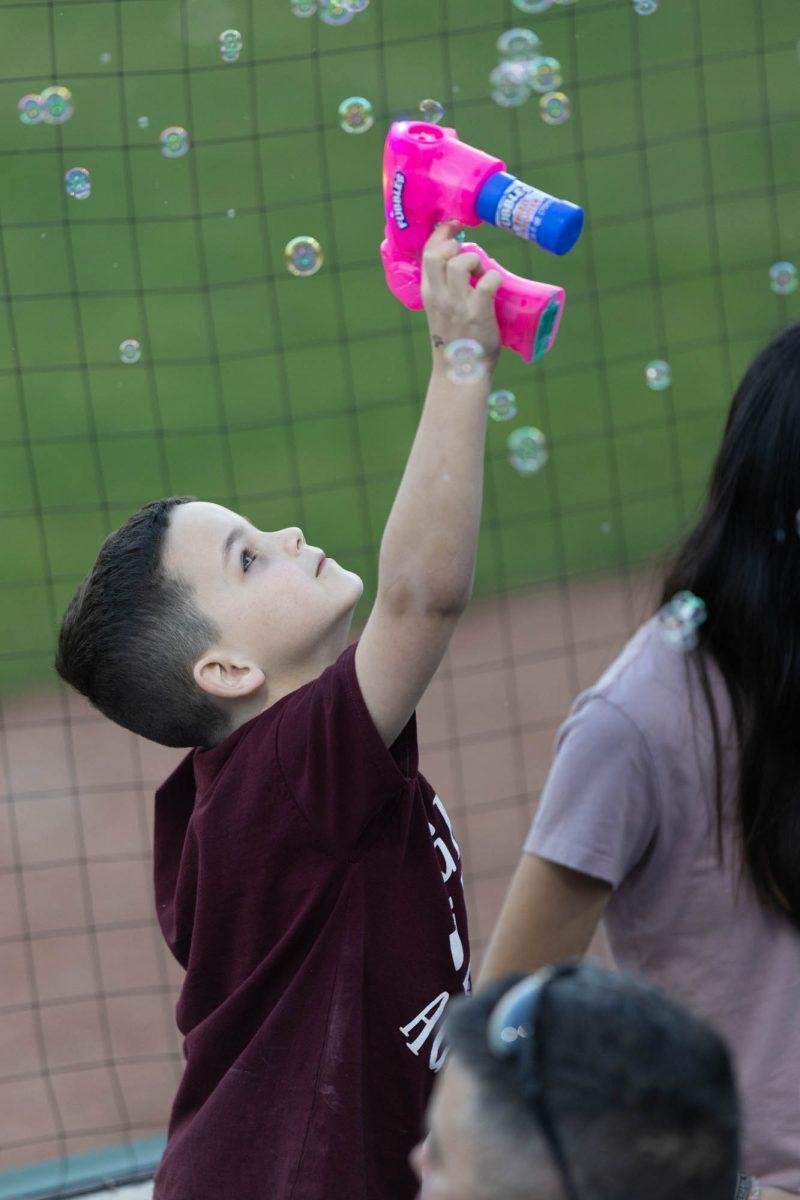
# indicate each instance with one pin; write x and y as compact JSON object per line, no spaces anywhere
{"x":192,"y":621}
{"x":641,"y":1094}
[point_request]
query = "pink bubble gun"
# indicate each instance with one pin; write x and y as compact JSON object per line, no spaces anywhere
{"x":430,"y":176}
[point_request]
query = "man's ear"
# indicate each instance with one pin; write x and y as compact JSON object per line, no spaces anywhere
{"x":227,"y":679}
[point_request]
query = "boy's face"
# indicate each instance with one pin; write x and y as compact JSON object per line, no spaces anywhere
{"x":278,"y":613}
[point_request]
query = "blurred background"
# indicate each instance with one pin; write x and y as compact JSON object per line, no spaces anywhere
{"x":293,"y":399}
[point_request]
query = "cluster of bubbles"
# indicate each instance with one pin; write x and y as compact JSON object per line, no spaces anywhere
{"x":680,"y":619}
{"x":465,"y":362}
{"x":523,"y":69}
{"x":230,"y":45}
{"x":130,"y":351}
{"x":356,"y":115}
{"x":53,"y":107}
{"x":331,"y":12}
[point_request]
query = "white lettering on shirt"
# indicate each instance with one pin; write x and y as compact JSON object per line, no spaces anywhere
{"x":430,"y":1016}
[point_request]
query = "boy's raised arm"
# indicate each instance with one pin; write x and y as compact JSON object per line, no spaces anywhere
{"x":427,"y":558}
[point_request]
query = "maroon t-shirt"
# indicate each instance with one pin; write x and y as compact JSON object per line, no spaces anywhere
{"x":308,"y":881}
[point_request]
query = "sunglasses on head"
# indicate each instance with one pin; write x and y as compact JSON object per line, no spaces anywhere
{"x":513,"y":1034}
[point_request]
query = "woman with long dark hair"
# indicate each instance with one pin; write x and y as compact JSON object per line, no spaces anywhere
{"x":672,"y":808}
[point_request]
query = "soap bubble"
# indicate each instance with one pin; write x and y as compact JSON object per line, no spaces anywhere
{"x":332,"y":12}
{"x":533,"y":6}
{"x":527,"y":450}
{"x":58,"y":106}
{"x":645,"y":8}
{"x":130,"y":351}
{"x":783,"y":278}
{"x":230,"y":45}
{"x":303,"y":256}
{"x":78,"y":183}
{"x":680,"y":619}
{"x":464,"y":361}
{"x":355,"y":115}
{"x":105,"y":58}
{"x":355,"y":6}
{"x":544,"y":74}
{"x":174,"y":141}
{"x":31,"y":109}
{"x":509,"y":86}
{"x":304,"y":8}
{"x":518,"y":44}
{"x":554,"y":108}
{"x":432,"y":111}
{"x":502,"y":405}
{"x":658,"y":375}
{"x":231,"y":212}
{"x":143,"y":122}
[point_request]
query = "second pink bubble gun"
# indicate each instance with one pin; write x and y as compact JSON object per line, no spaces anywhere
{"x":429,"y":176}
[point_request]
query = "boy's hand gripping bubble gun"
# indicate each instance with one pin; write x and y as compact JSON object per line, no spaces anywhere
{"x":430,"y":176}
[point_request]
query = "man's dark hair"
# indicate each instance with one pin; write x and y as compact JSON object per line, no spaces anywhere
{"x":132,"y":634}
{"x":641,"y":1092}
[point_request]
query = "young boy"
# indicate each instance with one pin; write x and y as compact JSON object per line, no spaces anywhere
{"x":306,"y":875}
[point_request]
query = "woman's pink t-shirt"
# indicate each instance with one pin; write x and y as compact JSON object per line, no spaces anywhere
{"x":630,"y":799}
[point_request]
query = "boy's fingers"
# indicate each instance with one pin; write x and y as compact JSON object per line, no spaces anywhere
{"x":488,"y":284}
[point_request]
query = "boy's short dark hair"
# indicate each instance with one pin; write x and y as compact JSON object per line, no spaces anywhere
{"x":131,"y":635}
{"x":642,"y":1094}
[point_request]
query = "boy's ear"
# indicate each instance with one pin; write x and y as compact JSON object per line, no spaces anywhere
{"x":226,"y":679}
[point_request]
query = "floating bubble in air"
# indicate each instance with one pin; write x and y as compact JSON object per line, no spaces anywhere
{"x":544,"y":74}
{"x":334,"y":13}
{"x":432,"y":111}
{"x":58,"y":105}
{"x":105,"y":58}
{"x":527,"y":450}
{"x":303,"y":256}
{"x":230,"y":44}
{"x":658,"y":375}
{"x":464,"y":361}
{"x":355,"y":6}
{"x":502,"y":405}
{"x":783,"y":278}
{"x":509,"y":85}
{"x":518,"y":45}
{"x":645,"y":8}
{"x":143,"y":122}
{"x":30,"y":109}
{"x":533,"y":6}
{"x":231,"y":212}
{"x":355,"y":115}
{"x":555,"y":108}
{"x":304,"y":8}
{"x":78,"y":183}
{"x":174,"y":141}
{"x":130,"y":351}
{"x":681,"y":618}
